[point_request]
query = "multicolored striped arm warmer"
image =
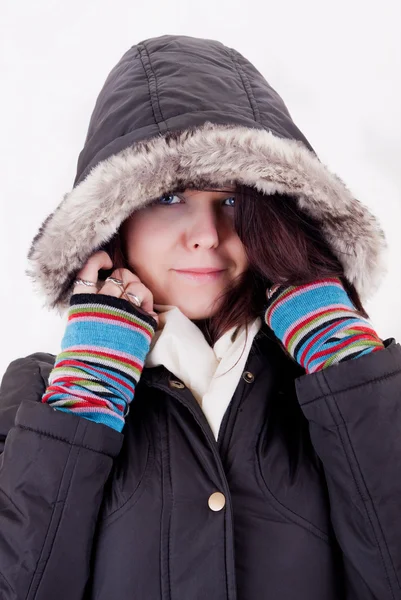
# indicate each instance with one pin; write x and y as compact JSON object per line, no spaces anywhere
{"x":318,"y":325}
{"x":101,"y":360}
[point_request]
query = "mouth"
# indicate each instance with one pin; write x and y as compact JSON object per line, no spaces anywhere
{"x":201,"y":277}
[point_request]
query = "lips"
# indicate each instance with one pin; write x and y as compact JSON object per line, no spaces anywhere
{"x":201,"y":276}
{"x":200,"y":270}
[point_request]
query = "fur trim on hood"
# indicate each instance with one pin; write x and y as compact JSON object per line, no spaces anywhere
{"x":139,"y":146}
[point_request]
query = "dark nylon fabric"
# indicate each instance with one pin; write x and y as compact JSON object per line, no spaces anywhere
{"x":309,"y":466}
{"x":177,"y":82}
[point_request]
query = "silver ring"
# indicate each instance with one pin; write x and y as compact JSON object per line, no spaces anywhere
{"x":116,"y":281}
{"x":137,"y":300}
{"x":79,"y":281}
{"x":273,"y":289}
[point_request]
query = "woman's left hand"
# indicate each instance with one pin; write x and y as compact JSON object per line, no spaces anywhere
{"x":317,"y":323}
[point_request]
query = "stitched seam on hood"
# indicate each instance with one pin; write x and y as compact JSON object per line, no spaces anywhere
{"x":152,"y":84}
{"x":246,"y":85}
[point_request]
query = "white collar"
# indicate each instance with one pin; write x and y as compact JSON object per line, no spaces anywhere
{"x":181,"y":347}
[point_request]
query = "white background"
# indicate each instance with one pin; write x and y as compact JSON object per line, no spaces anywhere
{"x":336,"y":65}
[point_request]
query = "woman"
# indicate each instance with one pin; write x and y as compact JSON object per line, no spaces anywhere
{"x":233,"y":435}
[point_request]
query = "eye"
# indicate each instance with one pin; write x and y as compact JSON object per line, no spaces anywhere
{"x":168,"y":196}
{"x":232,"y":198}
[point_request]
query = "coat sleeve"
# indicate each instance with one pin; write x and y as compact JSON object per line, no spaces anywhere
{"x":53,"y":469}
{"x":354,"y":414}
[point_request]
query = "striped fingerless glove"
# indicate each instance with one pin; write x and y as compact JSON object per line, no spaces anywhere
{"x":318,"y":324}
{"x":101,"y":360}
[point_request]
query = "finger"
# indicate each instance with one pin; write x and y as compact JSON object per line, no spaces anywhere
{"x":143,"y":293}
{"x":89,"y":272}
{"x":146,"y":297}
{"x":113,"y":289}
{"x":156,"y":318}
{"x":270,"y":291}
{"x":161,"y":307}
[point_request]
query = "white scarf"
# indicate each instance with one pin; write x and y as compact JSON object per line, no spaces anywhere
{"x":181,"y":347}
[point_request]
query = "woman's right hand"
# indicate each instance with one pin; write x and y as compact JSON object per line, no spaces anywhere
{"x":104,"y":347}
{"x":132,"y":284}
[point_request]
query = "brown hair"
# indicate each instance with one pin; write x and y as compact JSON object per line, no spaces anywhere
{"x":283,"y":244}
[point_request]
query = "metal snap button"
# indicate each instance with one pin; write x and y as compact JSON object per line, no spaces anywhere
{"x":176,"y":384}
{"x":216,"y":501}
{"x":248,"y":376}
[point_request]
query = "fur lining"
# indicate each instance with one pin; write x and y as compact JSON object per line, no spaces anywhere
{"x":92,"y":212}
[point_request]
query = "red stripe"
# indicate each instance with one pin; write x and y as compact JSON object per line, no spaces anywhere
{"x":337,"y":347}
{"x":117,"y":318}
{"x":373,"y":349}
{"x":366,"y":328}
{"x":50,"y":390}
{"x":70,"y":362}
{"x":126,"y":361}
{"x":308,"y":320}
{"x":316,"y":338}
{"x":82,"y":402}
{"x":53,"y":389}
{"x":98,"y":353}
{"x":298,"y":288}
{"x":367,"y":333}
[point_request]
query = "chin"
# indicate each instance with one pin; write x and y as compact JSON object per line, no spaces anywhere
{"x":195,"y":313}
{"x":200,"y":316}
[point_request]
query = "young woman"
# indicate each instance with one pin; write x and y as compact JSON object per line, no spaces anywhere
{"x":222,"y":420}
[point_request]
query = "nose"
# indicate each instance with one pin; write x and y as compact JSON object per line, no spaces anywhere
{"x":203,"y":229}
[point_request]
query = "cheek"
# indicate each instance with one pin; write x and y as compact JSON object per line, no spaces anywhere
{"x":145,"y":245}
{"x":238,"y":253}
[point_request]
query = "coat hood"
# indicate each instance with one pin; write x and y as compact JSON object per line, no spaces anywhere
{"x":183,"y":111}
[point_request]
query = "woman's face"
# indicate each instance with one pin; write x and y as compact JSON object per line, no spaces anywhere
{"x":181,"y":232}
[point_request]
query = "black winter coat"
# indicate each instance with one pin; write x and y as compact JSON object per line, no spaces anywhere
{"x":306,"y":467}
{"x":300,"y":497}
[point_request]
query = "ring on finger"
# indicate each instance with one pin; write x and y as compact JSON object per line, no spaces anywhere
{"x":79,"y":281}
{"x":137,"y":300}
{"x":273,"y":289}
{"x":116,"y":281}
